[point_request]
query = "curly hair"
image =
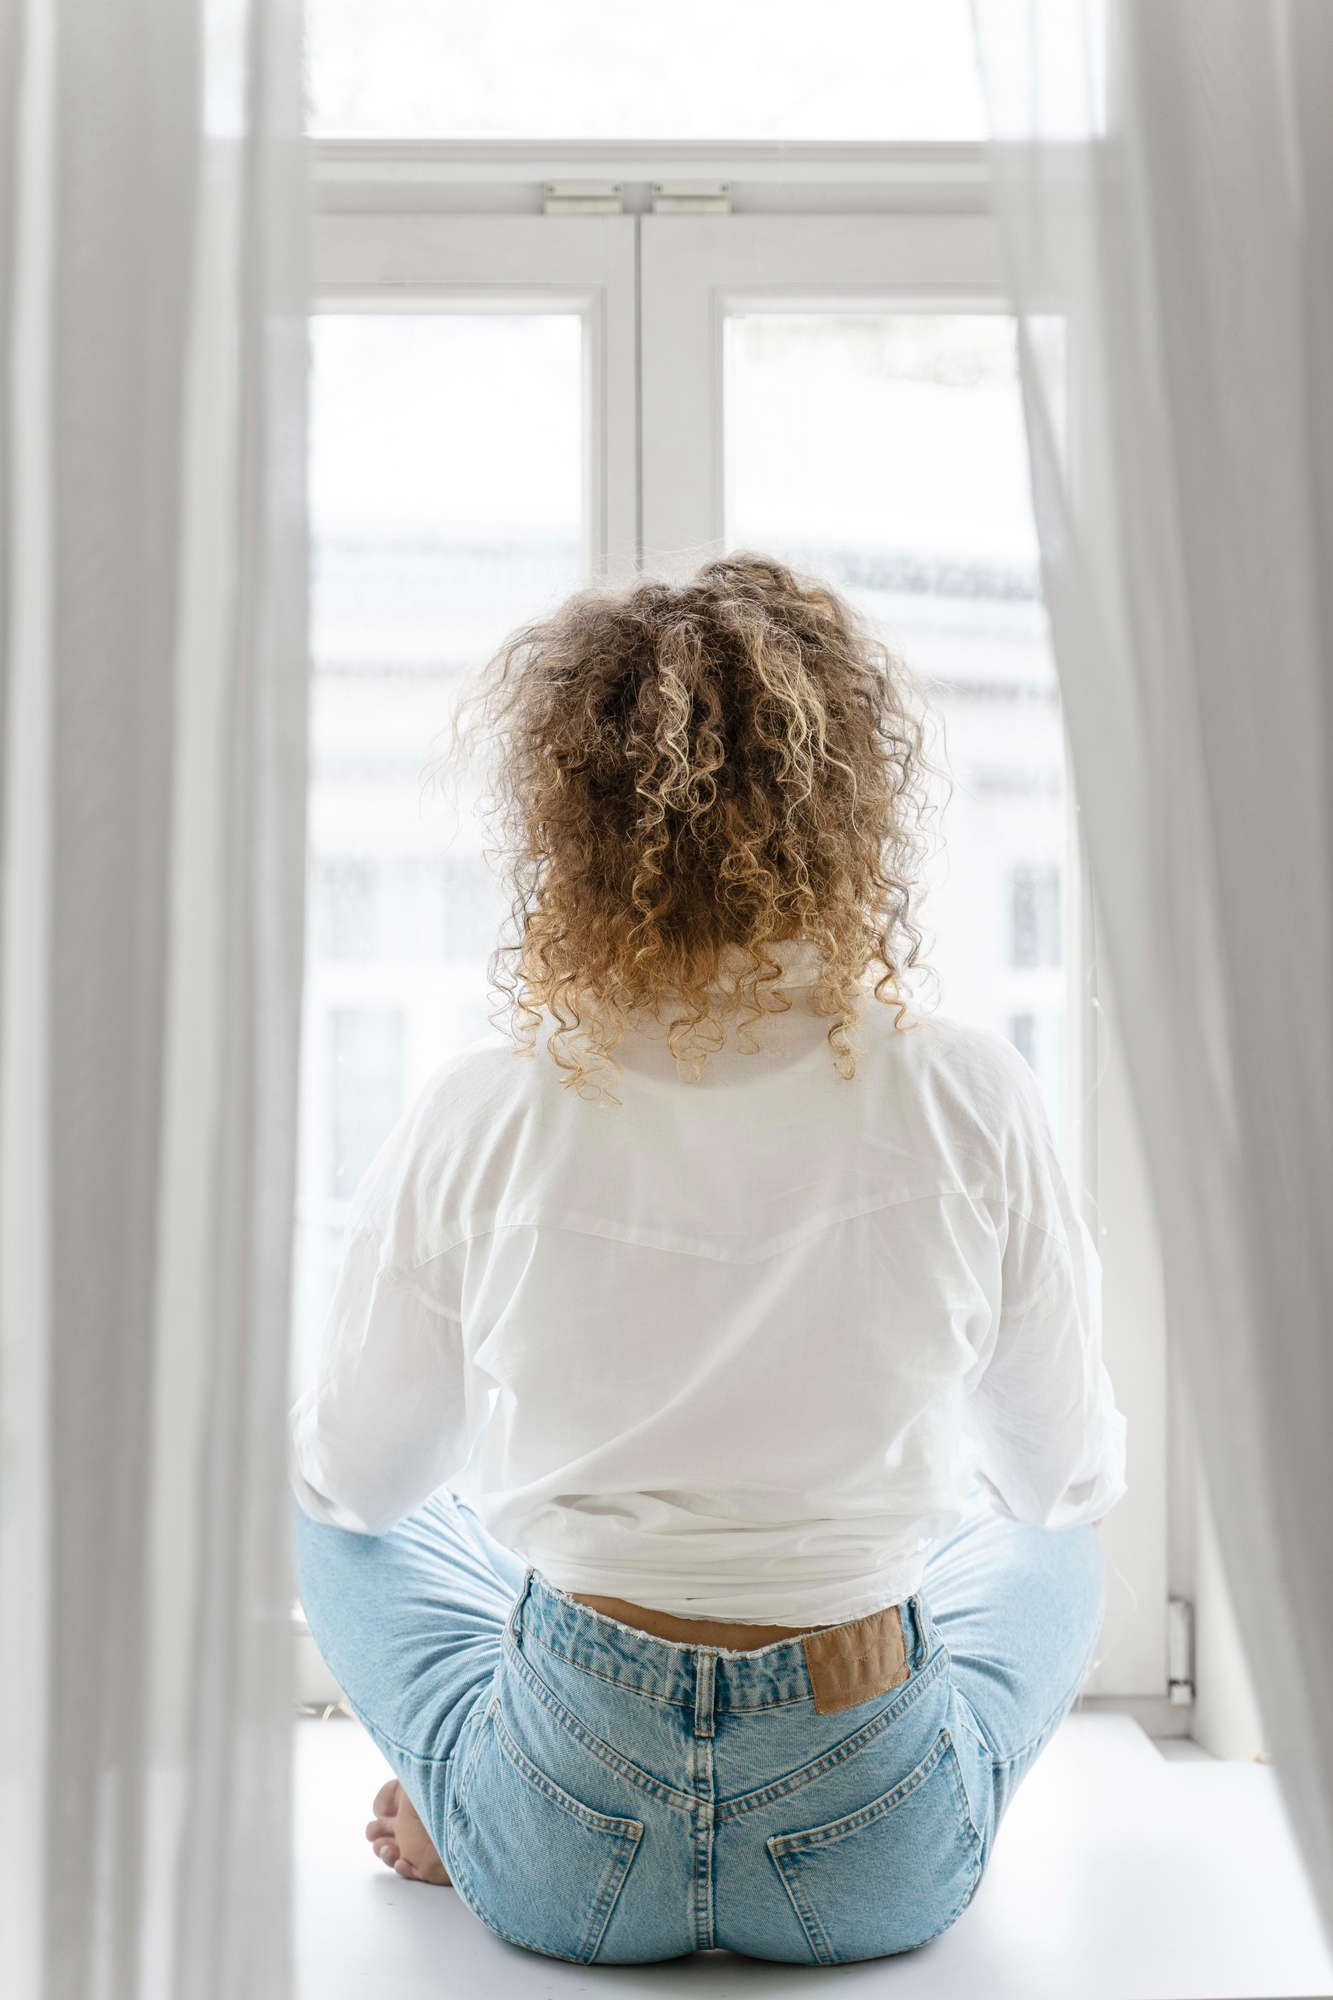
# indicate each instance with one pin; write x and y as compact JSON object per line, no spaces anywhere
{"x":685,"y":777}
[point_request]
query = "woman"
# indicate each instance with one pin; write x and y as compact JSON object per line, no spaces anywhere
{"x":767,"y":1308}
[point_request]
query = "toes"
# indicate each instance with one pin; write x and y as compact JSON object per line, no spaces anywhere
{"x":388,"y":1852}
{"x":387,"y":1799}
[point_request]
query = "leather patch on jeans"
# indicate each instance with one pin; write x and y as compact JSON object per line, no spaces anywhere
{"x":849,"y":1664}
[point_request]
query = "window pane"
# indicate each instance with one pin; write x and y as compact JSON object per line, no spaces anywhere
{"x":1036,"y":917}
{"x":887,"y":452}
{"x":618,"y":69}
{"x":366,"y":1049}
{"x":446,"y":501}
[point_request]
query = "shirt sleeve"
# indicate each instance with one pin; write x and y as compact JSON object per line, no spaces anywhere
{"x":1050,"y":1441}
{"x":386,"y":1423}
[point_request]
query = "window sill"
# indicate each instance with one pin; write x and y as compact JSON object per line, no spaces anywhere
{"x":1119,"y":1875}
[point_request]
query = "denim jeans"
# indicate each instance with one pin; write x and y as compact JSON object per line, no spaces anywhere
{"x":600,"y":1795}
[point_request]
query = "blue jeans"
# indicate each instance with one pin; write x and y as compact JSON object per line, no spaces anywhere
{"x":600,"y":1795}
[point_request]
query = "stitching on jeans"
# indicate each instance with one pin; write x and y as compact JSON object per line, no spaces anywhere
{"x":651,"y":1694}
{"x":849,"y":1747}
{"x":609,"y":1680}
{"x":459,"y":1877}
{"x":609,"y":1896}
{"x":964,"y":1804}
{"x":626,"y":1833}
{"x":463,"y":1777}
{"x":601,"y":1822}
{"x":974,"y":1840}
{"x":781,"y":1845}
{"x":1054,"y":1717}
{"x":815,"y":1935}
{"x":834,"y":1830}
{"x":387,"y":1742}
{"x":682,"y":1801}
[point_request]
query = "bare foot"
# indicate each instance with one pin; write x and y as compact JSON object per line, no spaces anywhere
{"x":400,"y":1840}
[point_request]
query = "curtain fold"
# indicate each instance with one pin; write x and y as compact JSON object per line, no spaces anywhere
{"x":152,"y":732}
{"x":1162,"y":174}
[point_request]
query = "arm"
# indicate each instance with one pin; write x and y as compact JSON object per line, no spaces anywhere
{"x":385,"y":1423}
{"x":1051,"y":1442}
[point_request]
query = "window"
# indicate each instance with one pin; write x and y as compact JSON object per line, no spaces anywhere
{"x":367,"y":1047}
{"x":447,"y":474}
{"x":885,"y":450}
{"x":1035,"y":917}
{"x":506,"y":401}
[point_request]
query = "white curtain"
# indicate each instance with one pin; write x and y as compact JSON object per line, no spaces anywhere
{"x":152,"y":729}
{"x":1164,"y":176}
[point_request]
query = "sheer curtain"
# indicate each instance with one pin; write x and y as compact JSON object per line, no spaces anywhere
{"x":152,"y":728}
{"x":1165,"y":193}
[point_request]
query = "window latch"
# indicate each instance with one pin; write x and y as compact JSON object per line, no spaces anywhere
{"x":581,"y":198}
{"x":691,"y":198}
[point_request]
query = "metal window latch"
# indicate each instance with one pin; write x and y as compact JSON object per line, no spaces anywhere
{"x":1179,"y":1652}
{"x":691,"y":197}
{"x":581,"y":198}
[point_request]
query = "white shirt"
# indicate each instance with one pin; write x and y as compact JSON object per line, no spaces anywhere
{"x":738,"y":1349}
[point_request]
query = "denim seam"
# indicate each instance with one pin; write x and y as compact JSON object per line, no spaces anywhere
{"x":609,"y":1680}
{"x":847,"y":1823}
{"x":612,"y":1883}
{"x":601,"y":1822}
{"x":761,"y":1707}
{"x":458,"y":1876}
{"x":651,"y":1695}
{"x":781,"y":1845}
{"x":462,"y":1779}
{"x":391,"y":1743}
{"x":806,"y":1916}
{"x":964,"y":1805}
{"x":655,"y":1788}
{"x":627,"y":1833}
{"x":705,"y":1818}
{"x":850,"y":1746}
{"x":1054,"y":1716}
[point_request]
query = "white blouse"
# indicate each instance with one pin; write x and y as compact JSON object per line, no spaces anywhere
{"x":739,"y":1349}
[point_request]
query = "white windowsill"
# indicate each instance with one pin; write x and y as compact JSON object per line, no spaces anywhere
{"x":1119,"y":1875}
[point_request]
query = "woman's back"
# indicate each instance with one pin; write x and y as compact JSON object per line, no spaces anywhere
{"x":736,"y":1347}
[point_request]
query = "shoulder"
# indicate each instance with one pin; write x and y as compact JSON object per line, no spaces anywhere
{"x":467,"y":1094}
{"x":475,"y":1082}
{"x":959,"y":1063}
{"x":461,"y":1112}
{"x":967,"y":1093}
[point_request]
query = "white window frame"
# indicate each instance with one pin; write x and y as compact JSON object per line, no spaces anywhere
{"x":420,"y":226}
{"x":697,"y":270}
{"x":396,"y":263}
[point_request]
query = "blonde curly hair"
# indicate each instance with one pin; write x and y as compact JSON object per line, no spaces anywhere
{"x":685,"y":777}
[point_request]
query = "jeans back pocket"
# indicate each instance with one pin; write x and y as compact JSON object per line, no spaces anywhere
{"x":536,"y":1865}
{"x":892,"y":1874}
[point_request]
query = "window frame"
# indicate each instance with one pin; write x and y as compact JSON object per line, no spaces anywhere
{"x":423,"y":226}
{"x":586,"y":265}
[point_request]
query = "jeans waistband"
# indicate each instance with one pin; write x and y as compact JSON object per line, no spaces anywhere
{"x":669,"y":1671}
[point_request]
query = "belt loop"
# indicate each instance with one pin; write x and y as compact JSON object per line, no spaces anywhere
{"x":514,"y":1623}
{"x":920,"y":1633}
{"x":705,"y":1663}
